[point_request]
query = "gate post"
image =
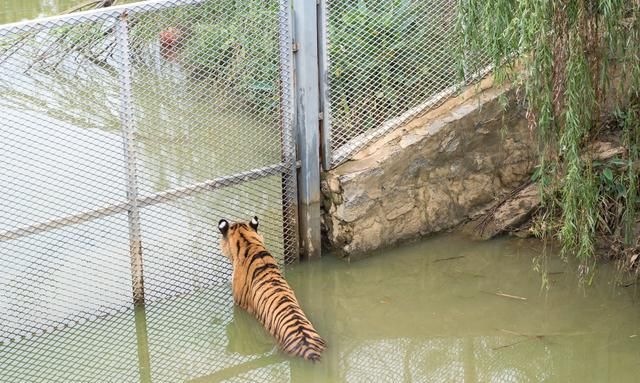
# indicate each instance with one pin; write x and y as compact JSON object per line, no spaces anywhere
{"x":307,"y":101}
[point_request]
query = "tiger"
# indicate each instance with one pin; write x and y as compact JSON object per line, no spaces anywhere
{"x":259,"y":288}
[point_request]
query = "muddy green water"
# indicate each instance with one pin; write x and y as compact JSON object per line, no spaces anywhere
{"x":427,"y":312}
{"x":18,"y":10}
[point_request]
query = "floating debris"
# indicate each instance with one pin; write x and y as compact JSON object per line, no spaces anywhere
{"x":449,"y":259}
{"x":501,"y":294}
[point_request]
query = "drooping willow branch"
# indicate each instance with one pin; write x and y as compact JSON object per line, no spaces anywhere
{"x":577,"y":61}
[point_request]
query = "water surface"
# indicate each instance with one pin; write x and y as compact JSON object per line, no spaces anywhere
{"x":19,"y":10}
{"x":442,"y":310}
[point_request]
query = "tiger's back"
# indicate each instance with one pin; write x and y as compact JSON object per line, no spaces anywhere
{"x":260,"y":288}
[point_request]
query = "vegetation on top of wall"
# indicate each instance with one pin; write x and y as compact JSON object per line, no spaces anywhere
{"x":577,"y":61}
{"x":386,"y":57}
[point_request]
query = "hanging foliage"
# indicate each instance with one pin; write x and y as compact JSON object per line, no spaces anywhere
{"x":578,"y":63}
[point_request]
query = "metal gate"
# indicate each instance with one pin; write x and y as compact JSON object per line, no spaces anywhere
{"x":126,"y":133}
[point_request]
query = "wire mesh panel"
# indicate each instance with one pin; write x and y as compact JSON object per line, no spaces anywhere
{"x":388,"y":62}
{"x":126,"y":134}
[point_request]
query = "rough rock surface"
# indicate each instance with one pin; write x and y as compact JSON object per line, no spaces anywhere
{"x":512,"y":214}
{"x":437,"y":171}
{"x":507,"y":216}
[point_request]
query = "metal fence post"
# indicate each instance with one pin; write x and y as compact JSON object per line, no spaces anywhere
{"x":288,"y":134}
{"x":307,"y":123}
{"x":130,"y":156}
{"x":325,"y":105}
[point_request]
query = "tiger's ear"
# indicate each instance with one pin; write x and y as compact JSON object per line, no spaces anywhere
{"x":254,"y":223}
{"x":223,"y":226}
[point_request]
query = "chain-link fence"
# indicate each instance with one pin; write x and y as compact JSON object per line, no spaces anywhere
{"x":126,"y":134}
{"x":388,"y":62}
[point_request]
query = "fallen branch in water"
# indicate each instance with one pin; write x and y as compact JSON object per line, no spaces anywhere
{"x":576,"y":333}
{"x":490,"y":215}
{"x":511,"y":296}
{"x":501,"y":294}
{"x":238,"y":369}
{"x":513,"y":344}
{"x":449,"y":259}
{"x":510,"y":332}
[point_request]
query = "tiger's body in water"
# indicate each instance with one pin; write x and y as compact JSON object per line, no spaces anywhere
{"x":259,"y":287}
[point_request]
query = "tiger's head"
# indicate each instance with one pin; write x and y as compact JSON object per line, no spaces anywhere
{"x":238,"y":236}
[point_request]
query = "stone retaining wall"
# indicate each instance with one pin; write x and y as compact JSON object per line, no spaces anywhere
{"x":430,"y":175}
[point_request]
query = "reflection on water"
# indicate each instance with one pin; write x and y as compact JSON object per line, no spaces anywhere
{"x":413,"y":314}
{"x":245,"y":338}
{"x":190,"y":132}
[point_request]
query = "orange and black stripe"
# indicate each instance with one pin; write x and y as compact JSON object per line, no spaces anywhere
{"x":259,"y":287}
